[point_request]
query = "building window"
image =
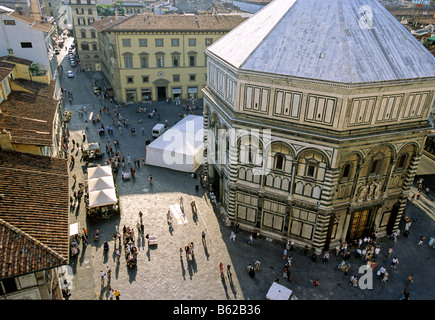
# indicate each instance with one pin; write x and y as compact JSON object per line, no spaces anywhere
{"x":90,"y":11}
{"x":9,"y":22}
{"x":192,"y":77}
{"x":159,"y":42}
{"x":374,"y":169}
{"x":175,"y":42}
{"x":128,"y":61}
{"x":402,"y":161}
{"x":145,"y":79}
{"x":192,"y":42}
{"x":192,"y":60}
{"x":144,"y":61}
{"x":160,"y":60}
{"x":311,"y":170}
{"x":346,"y":171}
{"x":129,"y":79}
{"x":93,"y":34}
{"x":175,"y":60}
{"x":146,"y":95}
{"x":26,"y":45}
{"x":85,"y":47}
{"x":208,"y":41}
{"x":94,"y":47}
{"x":279,"y":162}
{"x":143,"y":42}
{"x":176,"y":78}
{"x":126,"y":42}
{"x":83,"y":34}
{"x":91,"y":21}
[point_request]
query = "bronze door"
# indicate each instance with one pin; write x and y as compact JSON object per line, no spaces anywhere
{"x":359,"y":224}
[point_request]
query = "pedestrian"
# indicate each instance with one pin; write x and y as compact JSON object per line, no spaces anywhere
{"x":111,"y":291}
{"x":316,"y":284}
{"x":337,"y":250}
{"x":377,"y":250}
{"x":381,"y":272}
{"x":289,"y":275}
{"x":276,"y":280}
{"x":236,"y":229}
{"x":229,"y":271}
{"x":71,"y":200}
{"x":421,"y":241}
{"x":74,"y":177}
{"x":257,"y":265}
{"x":117,"y":294}
{"x":250,"y":240}
{"x":150,"y":179}
{"x":186,"y":248}
{"x":394,"y":263}
{"x":410,"y":279}
{"x":108,"y":272}
{"x":405,"y":295}
{"x":326,"y":257}
{"x":285,"y":253}
{"x":103,"y":277}
{"x":385,"y":278}
{"x":233,"y":236}
{"x":143,"y":162}
{"x":221,"y":268}
{"x":181,"y":253}
{"x":389,"y":252}
{"x":203,"y":237}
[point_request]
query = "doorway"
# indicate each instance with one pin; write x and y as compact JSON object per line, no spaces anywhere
{"x":161,"y":93}
{"x":360,"y":224}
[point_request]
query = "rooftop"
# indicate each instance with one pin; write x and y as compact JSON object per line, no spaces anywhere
{"x":30,"y":125}
{"x":332,"y":40}
{"x":150,"y":22}
{"x":33,"y":213}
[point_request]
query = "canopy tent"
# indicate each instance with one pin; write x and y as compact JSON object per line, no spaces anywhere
{"x":101,"y":187}
{"x":102,"y":198}
{"x":98,"y":184}
{"x":180,"y":148}
{"x":278,"y":292}
{"x":100,"y":171}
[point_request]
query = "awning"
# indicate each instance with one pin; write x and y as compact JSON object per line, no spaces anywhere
{"x":101,"y":187}
{"x":176,"y":90}
{"x":74,"y":229}
{"x":192,"y":90}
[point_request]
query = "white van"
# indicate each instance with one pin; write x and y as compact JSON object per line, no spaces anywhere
{"x":158,"y":129}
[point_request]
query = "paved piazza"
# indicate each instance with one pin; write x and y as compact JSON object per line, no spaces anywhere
{"x":162,"y":275}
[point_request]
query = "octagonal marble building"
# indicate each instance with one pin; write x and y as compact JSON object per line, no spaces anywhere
{"x":315,"y":117}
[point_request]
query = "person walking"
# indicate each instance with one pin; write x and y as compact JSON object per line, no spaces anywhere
{"x":394,"y":263}
{"x":257,"y":265}
{"x":389,"y":252}
{"x":203,"y":238}
{"x":421,"y":241}
{"x":117,"y":294}
{"x":150,"y":179}
{"x":233,"y":236}
{"x":409,"y":279}
{"x":103,"y":277}
{"x":181,"y":253}
{"x":316,"y":284}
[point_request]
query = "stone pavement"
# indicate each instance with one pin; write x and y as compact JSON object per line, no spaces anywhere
{"x":162,"y":275}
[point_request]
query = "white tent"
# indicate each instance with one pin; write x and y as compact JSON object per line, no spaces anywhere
{"x":179,"y":148}
{"x":100,"y":171}
{"x":102,"y":198}
{"x":101,"y":187}
{"x":278,"y":292}
{"x":98,"y":184}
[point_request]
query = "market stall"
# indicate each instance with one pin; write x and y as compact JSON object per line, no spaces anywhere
{"x":102,"y":196}
{"x":74,"y":238}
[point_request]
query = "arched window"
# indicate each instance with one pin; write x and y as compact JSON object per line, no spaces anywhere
{"x":376,"y":164}
{"x":279,"y":162}
{"x":402,"y":161}
{"x":346,"y":171}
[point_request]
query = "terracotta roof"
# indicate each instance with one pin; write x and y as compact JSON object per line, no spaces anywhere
{"x":4,"y":72}
{"x":18,"y":60}
{"x":30,"y":116}
{"x":150,"y":22}
{"x":33,"y":213}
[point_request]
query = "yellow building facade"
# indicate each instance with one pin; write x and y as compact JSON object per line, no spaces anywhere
{"x":152,"y":58}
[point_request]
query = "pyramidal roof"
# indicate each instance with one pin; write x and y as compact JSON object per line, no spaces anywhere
{"x":346,"y":41}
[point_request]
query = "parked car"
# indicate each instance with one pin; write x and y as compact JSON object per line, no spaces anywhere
{"x":70,"y":74}
{"x":73,"y":64}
